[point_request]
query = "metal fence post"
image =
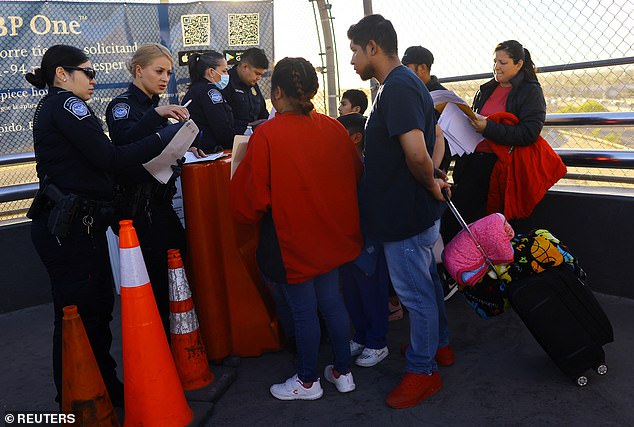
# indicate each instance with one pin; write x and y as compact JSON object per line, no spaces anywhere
{"x":331,"y":71}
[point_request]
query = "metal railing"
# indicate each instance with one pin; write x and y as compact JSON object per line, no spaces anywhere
{"x":612,"y":159}
{"x":590,"y":119}
{"x":549,"y":69}
{"x":16,"y":159}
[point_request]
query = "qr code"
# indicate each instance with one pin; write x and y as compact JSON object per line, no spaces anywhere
{"x":244,"y":29}
{"x":196,"y":30}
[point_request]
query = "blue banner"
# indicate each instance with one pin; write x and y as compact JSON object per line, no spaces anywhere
{"x":109,"y":33}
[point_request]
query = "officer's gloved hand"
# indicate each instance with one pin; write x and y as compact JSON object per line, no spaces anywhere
{"x":167,"y":133}
{"x":177,"y":169}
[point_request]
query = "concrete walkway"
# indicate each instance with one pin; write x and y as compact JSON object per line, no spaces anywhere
{"x":501,"y":378}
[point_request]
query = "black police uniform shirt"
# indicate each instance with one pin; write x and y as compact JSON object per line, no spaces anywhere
{"x":246,"y":101}
{"x":131,"y":116}
{"x":73,"y":152}
{"x":212,"y":114}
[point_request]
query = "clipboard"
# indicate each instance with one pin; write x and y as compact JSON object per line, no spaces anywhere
{"x":240,"y":143}
{"x":161,"y":166}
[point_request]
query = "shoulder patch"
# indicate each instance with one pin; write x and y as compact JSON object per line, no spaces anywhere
{"x":120,"y":111}
{"x":215,"y":96}
{"x":77,"y":107}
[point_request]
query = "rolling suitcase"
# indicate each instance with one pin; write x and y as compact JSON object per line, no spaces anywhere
{"x":565,"y":318}
{"x":562,"y":314}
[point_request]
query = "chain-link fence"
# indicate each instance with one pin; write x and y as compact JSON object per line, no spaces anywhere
{"x":591,"y":34}
{"x":109,"y":33}
{"x":462,"y":35}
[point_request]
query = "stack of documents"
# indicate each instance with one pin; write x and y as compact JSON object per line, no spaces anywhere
{"x":455,"y":122}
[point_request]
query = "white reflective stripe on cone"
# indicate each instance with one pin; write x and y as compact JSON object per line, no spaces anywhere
{"x":179,"y":288}
{"x":133,"y":271}
{"x":183,"y":323}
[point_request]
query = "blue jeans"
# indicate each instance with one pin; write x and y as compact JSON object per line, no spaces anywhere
{"x":282,"y":309}
{"x":304,"y":299}
{"x":366,"y":299}
{"x":415,"y":278}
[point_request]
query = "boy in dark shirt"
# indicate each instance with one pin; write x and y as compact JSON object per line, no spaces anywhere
{"x":353,"y":101}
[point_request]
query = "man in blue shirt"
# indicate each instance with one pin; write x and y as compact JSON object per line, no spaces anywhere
{"x":403,"y":201}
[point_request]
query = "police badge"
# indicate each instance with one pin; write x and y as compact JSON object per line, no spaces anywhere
{"x":120,"y":111}
{"x":77,"y":107}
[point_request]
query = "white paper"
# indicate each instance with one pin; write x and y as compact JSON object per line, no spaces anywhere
{"x":444,"y":96}
{"x":177,"y":201}
{"x":461,"y":136}
{"x":191,"y":158}
{"x":161,"y":166}
{"x":115,"y":261}
{"x":272,"y":113}
{"x":240,"y":143}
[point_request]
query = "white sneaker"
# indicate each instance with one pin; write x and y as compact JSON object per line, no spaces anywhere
{"x":355,"y":348}
{"x":293,"y":389}
{"x":370,"y":357}
{"x":345,"y":383}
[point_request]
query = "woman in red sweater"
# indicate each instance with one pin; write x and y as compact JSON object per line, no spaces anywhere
{"x":299,"y":181}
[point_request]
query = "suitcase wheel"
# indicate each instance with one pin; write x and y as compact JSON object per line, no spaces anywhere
{"x":602,"y":369}
{"x":582,"y":381}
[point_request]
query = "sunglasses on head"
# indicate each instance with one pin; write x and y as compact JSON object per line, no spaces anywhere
{"x":89,"y":72}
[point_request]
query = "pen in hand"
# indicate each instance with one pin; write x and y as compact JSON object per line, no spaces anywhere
{"x":187,"y":103}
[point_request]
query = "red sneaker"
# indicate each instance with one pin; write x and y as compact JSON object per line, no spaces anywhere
{"x":412,"y":389}
{"x":445,"y":356}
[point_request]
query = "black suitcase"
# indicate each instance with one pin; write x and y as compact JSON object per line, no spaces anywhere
{"x":566,"y":320}
{"x":562,"y":314}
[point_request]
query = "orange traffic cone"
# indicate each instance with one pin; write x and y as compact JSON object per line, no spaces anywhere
{"x":187,"y":344}
{"x":153,"y":393}
{"x":83,"y":391}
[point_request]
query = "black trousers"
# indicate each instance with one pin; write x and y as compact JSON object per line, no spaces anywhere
{"x":471,"y":177}
{"x":157,"y":232}
{"x":79,"y":269}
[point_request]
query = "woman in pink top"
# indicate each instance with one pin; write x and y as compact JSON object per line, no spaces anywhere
{"x":513,"y":89}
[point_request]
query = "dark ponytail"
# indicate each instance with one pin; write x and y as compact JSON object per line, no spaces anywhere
{"x":516,"y":51}
{"x":56,"y":56}
{"x":296,"y":77}
{"x":198,"y":63}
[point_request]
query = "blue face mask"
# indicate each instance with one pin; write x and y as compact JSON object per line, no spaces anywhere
{"x":224,"y":80}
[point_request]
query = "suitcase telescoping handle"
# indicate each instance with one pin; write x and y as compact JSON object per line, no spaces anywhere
{"x":465,"y":227}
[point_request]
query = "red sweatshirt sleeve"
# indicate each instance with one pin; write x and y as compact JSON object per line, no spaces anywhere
{"x":250,"y":187}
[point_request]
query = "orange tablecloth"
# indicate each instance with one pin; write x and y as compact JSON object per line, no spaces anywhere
{"x":234,"y":309}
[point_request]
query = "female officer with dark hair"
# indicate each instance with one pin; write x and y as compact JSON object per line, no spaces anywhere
{"x":75,"y":164}
{"x":136,"y":114}
{"x":514,"y":89}
{"x":209,"y":109}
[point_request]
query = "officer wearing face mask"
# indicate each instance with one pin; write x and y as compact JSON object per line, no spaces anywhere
{"x":208,"y":108}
